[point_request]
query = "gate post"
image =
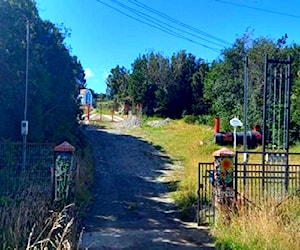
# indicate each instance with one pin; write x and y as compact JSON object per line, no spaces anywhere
{"x":64,"y":157}
{"x":223,"y":180}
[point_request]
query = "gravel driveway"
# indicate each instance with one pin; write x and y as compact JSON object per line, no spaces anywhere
{"x":131,"y":209}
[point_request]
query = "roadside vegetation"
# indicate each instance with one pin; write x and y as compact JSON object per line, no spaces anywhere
{"x":187,"y":144}
{"x":30,"y":220}
{"x":182,"y":86}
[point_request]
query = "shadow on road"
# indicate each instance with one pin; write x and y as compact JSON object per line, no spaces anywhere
{"x":131,"y":207}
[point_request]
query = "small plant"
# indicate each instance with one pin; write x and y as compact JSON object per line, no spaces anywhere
{"x":190,"y":119}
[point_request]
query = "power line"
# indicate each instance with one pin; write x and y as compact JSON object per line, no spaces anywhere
{"x":167,"y":17}
{"x":159,"y":22}
{"x":259,"y":9}
{"x":163,"y":29}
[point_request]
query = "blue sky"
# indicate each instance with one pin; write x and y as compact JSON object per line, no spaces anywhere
{"x":102,"y":37}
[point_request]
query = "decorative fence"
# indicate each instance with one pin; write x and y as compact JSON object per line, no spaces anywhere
{"x":24,"y":167}
{"x":271,"y":181}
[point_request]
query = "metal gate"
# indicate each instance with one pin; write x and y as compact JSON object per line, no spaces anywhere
{"x":273,"y":174}
{"x":254,"y":183}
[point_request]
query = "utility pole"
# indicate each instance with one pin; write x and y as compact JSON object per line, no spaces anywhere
{"x":24,"y":123}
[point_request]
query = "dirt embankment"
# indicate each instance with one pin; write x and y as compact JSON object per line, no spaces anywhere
{"x":131,"y":208}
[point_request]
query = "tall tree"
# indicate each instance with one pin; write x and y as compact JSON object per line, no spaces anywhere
{"x":53,"y":76}
{"x":117,"y":83}
{"x":138,"y":81}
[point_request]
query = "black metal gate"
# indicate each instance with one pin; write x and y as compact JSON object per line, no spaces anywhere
{"x":272,"y":174}
{"x":254,"y":183}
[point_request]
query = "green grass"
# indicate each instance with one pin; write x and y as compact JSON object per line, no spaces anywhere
{"x":188,"y":145}
{"x":267,"y":228}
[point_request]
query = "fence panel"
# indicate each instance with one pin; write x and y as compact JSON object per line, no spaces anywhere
{"x":18,"y":174}
{"x":268,"y":182}
{"x":205,"y":208}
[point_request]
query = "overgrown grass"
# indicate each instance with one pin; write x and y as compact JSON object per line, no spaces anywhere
{"x":30,"y":220}
{"x":57,"y":233}
{"x":266,"y":228}
{"x":18,"y":216}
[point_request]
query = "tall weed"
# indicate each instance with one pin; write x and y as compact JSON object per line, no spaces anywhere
{"x":265,"y":228}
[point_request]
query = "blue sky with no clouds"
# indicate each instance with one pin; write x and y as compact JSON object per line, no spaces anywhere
{"x":106,"y":33}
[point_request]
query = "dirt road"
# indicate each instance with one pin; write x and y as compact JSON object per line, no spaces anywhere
{"x":132,"y":209}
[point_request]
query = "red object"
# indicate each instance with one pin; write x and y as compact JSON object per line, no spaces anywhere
{"x":88,"y":111}
{"x":217,"y":124}
{"x":64,"y":147}
{"x":227,"y":137}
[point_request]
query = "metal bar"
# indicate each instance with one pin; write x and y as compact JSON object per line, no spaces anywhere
{"x":280,"y":108}
{"x":198,"y":194}
{"x":236,"y":176}
{"x":274,"y":109}
{"x":26,"y":95}
{"x":264,"y":120}
{"x":275,"y":61}
{"x":245,"y":120}
{"x":288,"y":124}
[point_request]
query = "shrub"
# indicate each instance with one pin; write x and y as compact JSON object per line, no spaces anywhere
{"x":190,"y":119}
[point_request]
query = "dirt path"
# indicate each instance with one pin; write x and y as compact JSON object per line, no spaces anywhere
{"x":132,"y":209}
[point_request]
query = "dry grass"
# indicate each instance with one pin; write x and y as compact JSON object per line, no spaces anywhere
{"x":27,"y":222}
{"x":27,"y":219}
{"x":56,"y":234}
{"x":18,"y":215}
{"x":266,"y":228}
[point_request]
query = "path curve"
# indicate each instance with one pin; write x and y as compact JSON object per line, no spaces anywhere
{"x":131,"y":208}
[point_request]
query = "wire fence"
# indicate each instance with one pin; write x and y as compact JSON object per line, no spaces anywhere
{"x":25,"y":167}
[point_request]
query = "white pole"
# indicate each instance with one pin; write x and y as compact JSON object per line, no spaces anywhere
{"x":26,"y":95}
{"x":234,"y":138}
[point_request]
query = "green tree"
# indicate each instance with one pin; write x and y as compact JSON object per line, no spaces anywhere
{"x":54,"y":76}
{"x":138,"y":82}
{"x":117,"y":83}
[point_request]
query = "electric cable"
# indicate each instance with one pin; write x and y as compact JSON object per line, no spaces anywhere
{"x":159,"y":22}
{"x":167,"y":17}
{"x":259,"y":9}
{"x":163,"y":29}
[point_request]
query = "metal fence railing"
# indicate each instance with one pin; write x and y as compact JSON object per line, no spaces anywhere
{"x":268,"y":182}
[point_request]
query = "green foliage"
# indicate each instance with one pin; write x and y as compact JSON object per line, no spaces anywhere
{"x":163,"y":86}
{"x":54,"y":76}
{"x":190,"y":119}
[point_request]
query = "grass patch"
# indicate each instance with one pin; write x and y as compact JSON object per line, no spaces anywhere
{"x":19,"y":215}
{"x":267,"y":228}
{"x":30,"y":220}
{"x":84,"y":176}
